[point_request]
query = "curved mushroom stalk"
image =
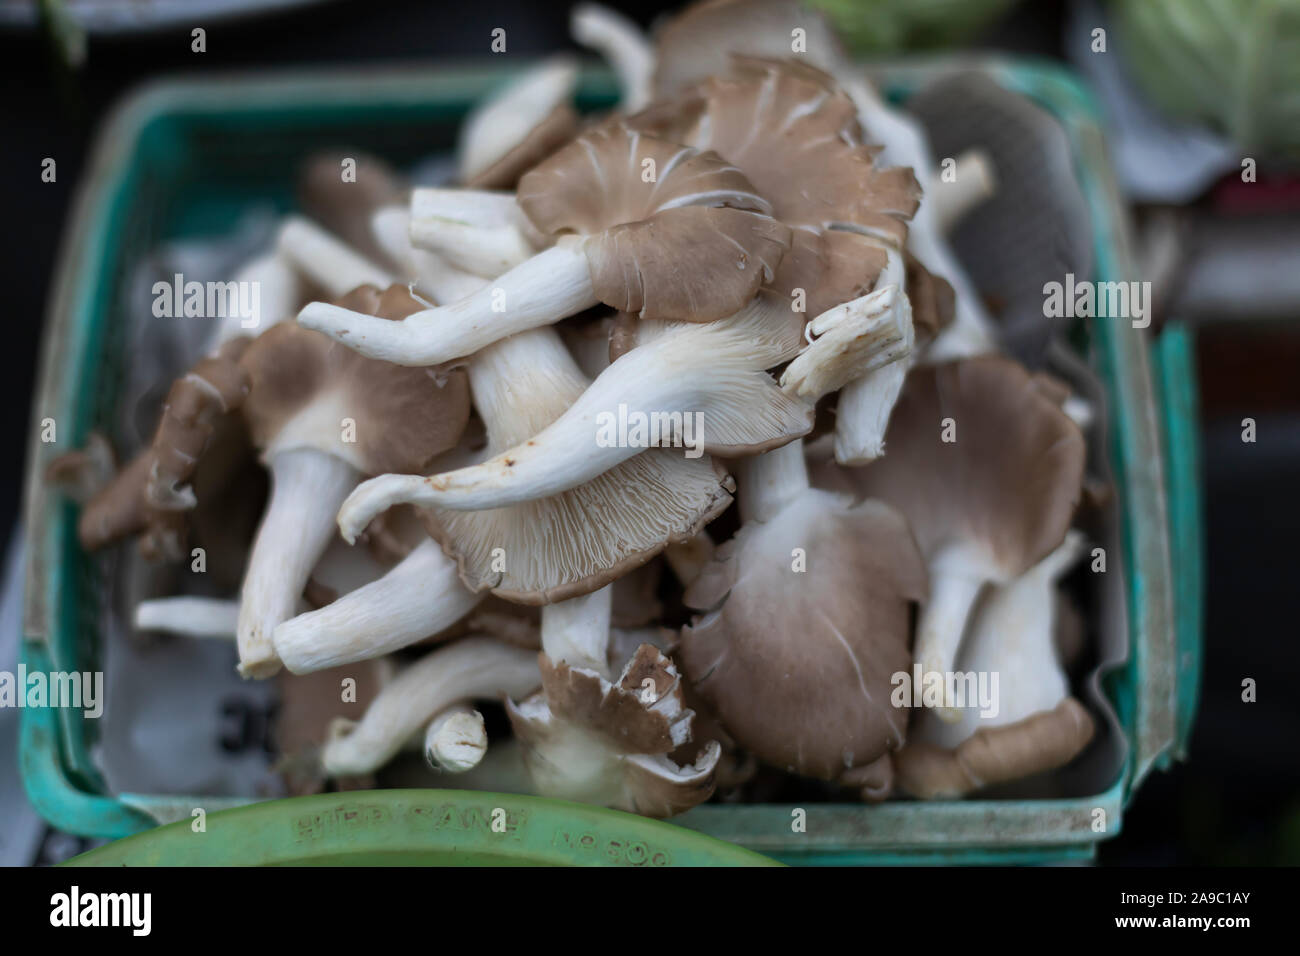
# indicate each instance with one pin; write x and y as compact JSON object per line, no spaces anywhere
{"x":456,"y":740}
{"x":519,"y":126}
{"x":623,"y":45}
{"x":473,"y":668}
{"x":551,"y":285}
{"x":482,"y":233}
{"x":419,"y":597}
{"x":307,"y":487}
{"x":1012,"y":635}
{"x":693,"y":240}
{"x":701,"y":386}
{"x":327,"y":261}
{"x":811,"y":601}
{"x":988,"y":470}
{"x":192,"y":616}
{"x":590,"y":740}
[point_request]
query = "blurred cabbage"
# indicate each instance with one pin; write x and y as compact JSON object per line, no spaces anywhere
{"x":888,"y":26}
{"x":1234,"y":64}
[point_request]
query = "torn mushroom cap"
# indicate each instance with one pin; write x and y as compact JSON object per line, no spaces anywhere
{"x":932,"y":299}
{"x":1043,"y":741}
{"x":987,"y":503}
{"x":674,"y":233}
{"x":798,"y":666}
{"x":152,"y":494}
{"x":308,"y":391}
{"x":690,"y":46}
{"x":587,"y":739}
{"x":520,"y":126}
{"x":555,"y":546}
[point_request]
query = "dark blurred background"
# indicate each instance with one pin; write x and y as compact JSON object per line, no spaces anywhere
{"x":1235,"y":800}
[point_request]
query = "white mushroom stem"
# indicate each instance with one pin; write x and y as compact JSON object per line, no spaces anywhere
{"x":504,"y":121}
{"x":862,"y":415}
{"x":1012,"y":636}
{"x":277,"y":293}
{"x":486,"y":251}
{"x":481,"y":232}
{"x":307,"y":487}
{"x":576,"y":631}
{"x":551,"y":285}
{"x":623,"y":45}
{"x":418,"y":597}
{"x":867,"y":403}
{"x":851,"y":340}
{"x":427,"y":272}
{"x":768,"y":482}
{"x":456,"y":740}
{"x":477,"y":667}
{"x":193,"y":616}
{"x":972,"y":183}
{"x":325,"y":260}
{"x":955,"y":584}
{"x":971,"y":332}
{"x":707,"y":373}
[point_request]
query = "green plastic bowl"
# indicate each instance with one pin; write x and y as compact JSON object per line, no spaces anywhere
{"x":420,"y":828}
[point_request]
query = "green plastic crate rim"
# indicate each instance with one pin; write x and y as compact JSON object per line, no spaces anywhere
{"x":1153,"y":436}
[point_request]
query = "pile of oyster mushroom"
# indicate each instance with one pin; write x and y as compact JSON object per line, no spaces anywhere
{"x":676,"y":431}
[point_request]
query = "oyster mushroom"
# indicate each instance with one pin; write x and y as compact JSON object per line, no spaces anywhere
{"x":805,"y":616}
{"x":324,"y":417}
{"x":986,"y":506}
{"x":1012,"y":635}
{"x":589,"y":739}
{"x":649,"y":227}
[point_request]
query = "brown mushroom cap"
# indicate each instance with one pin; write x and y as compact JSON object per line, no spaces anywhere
{"x":797,"y":666}
{"x":690,"y":46}
{"x":1005,"y":488}
{"x":632,"y":727}
{"x":304,"y":384}
{"x":558,"y":128}
{"x":345,"y":208}
{"x":1040,"y":742}
{"x":694,"y":242}
{"x":795,"y":136}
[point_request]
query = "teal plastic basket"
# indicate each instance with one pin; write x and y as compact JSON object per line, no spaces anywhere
{"x":181,"y":158}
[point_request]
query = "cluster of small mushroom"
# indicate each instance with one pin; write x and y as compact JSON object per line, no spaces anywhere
{"x":734,"y":285}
